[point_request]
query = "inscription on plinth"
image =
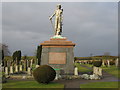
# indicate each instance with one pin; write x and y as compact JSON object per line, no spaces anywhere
{"x":57,"y":58}
{"x":58,"y":53}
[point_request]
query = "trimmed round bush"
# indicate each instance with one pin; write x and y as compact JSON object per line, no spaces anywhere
{"x":97,"y":63}
{"x":44,"y":74}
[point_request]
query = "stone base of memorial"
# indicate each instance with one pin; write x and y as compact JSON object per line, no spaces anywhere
{"x":58,"y":53}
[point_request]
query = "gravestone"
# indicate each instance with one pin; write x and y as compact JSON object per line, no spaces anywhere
{"x":116,"y":62}
{"x":11,"y":69}
{"x":108,"y":62}
{"x":31,"y":62}
{"x":37,"y":66}
{"x":103,"y":63}
{"x":21,"y":68}
{"x":97,"y":71}
{"x":6,"y":70}
{"x":76,"y":71}
{"x":16,"y":68}
{"x":100,"y":71}
{"x":29,"y":71}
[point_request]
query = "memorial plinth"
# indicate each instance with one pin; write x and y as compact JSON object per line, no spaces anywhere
{"x":58,"y":53}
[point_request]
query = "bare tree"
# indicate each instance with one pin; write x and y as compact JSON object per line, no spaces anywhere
{"x":5,"y":49}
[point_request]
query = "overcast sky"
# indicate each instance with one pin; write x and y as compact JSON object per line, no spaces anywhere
{"x":92,"y":26}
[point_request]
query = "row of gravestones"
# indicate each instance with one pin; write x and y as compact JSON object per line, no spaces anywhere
{"x":96,"y":70}
{"x":108,"y":63}
{"x":97,"y":74}
{"x":24,"y":66}
{"x":103,"y":62}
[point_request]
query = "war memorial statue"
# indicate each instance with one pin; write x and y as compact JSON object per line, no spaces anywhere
{"x":58,"y":51}
{"x":58,"y":21}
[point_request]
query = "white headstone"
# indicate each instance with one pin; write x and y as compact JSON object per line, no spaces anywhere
{"x":16,"y":68}
{"x":56,"y":78}
{"x":76,"y":71}
{"x":11,"y":69}
{"x":116,"y":62}
{"x":24,"y":77}
{"x":29,"y":71}
{"x":20,"y":67}
{"x":100,"y":71}
{"x":37,"y":66}
{"x":31,"y":62}
{"x":108,"y":63}
{"x":97,"y":71}
{"x":94,"y":70}
{"x":6,"y":70}
{"x":103,"y":63}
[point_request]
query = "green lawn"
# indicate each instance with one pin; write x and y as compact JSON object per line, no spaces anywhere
{"x":100,"y":85}
{"x":112,"y":70}
{"x":82,"y":69}
{"x":30,"y":84}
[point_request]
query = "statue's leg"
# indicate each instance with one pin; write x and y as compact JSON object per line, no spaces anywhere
{"x":56,"y":25}
{"x":59,"y":26}
{"x":57,"y":29}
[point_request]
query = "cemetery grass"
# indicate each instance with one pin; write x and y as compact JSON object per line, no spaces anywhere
{"x":100,"y":85}
{"x":30,"y":84}
{"x":112,"y":70}
{"x":82,"y":69}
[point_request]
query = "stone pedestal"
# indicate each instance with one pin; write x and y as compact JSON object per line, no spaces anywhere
{"x":58,"y":53}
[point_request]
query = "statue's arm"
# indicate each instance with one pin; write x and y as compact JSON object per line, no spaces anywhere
{"x":52,"y":15}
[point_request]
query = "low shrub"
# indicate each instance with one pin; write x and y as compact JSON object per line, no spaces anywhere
{"x":44,"y":74}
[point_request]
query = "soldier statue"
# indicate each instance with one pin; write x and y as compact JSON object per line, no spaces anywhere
{"x":58,"y":19}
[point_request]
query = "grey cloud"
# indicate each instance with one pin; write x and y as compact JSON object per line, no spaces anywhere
{"x":92,"y":26}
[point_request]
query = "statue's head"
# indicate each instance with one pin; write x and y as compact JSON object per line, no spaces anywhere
{"x":58,"y":6}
